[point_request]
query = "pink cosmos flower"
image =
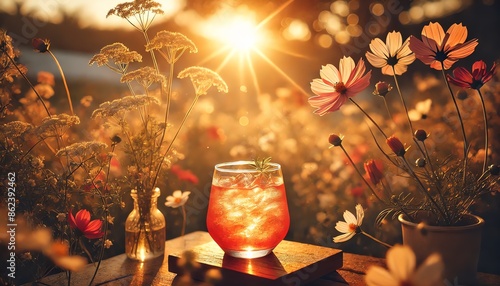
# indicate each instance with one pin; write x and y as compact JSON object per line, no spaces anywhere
{"x":90,"y":229}
{"x":438,"y":47}
{"x":337,"y":85}
{"x":480,"y":75}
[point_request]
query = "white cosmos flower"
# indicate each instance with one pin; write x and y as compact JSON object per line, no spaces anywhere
{"x":421,"y":110}
{"x":401,"y":262}
{"x":177,"y":199}
{"x":350,"y":225}
{"x":393,"y":54}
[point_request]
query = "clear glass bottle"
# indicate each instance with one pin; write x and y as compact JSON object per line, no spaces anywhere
{"x":145,"y":227}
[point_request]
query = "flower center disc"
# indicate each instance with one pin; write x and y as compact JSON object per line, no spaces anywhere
{"x":340,"y":87}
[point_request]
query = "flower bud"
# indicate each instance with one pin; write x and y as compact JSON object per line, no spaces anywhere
{"x":396,"y":146}
{"x":40,"y":45}
{"x":421,"y":135}
{"x":373,"y":172}
{"x":494,"y":170}
{"x":116,"y":139}
{"x":335,"y":139}
{"x":420,"y":162}
{"x":382,"y":88}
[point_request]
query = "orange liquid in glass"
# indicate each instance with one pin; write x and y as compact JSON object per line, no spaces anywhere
{"x":251,"y":219}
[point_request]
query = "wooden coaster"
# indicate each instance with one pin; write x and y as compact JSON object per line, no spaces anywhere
{"x":291,"y":263}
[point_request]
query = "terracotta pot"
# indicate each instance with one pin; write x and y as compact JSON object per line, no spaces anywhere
{"x":459,"y":246}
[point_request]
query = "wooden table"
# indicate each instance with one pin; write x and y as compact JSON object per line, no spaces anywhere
{"x":120,"y":270}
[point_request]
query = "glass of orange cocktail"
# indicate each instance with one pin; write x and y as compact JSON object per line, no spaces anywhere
{"x":247,"y":211}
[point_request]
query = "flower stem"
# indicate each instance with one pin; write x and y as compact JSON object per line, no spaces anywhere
{"x":369,"y":117}
{"x":359,"y":173}
{"x":30,"y":84}
{"x":485,"y":117}
{"x":173,"y":138}
{"x":376,"y":239}
{"x":402,"y":99}
{"x":458,"y":113}
{"x":64,"y":82}
{"x":183,"y":220}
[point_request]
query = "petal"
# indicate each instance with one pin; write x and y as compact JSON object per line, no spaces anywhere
{"x":343,"y":237}
{"x":349,"y":217}
{"x":325,"y":104}
{"x":186,"y":194}
{"x":378,"y":276}
{"x":433,"y":35}
{"x":71,"y":219}
{"x":82,"y":219}
{"x":404,"y":50}
{"x":406,"y":60}
{"x":422,"y":51}
{"x":394,"y":42}
{"x":360,"y":214}
{"x":378,"y":47}
{"x":478,"y":70}
{"x":94,"y":225}
{"x":487,"y":77}
{"x":401,"y":262}
{"x":376,"y":61}
{"x":457,"y":35}
{"x":177,"y":194}
{"x":387,"y":70}
{"x":462,"y":75}
{"x":319,"y":87}
{"x":359,"y":85}
{"x":438,"y":66}
{"x":346,"y":66}
{"x":463,"y":50}
{"x":430,"y":272}
{"x":343,"y":227}
{"x":400,"y":69}
{"x":330,"y":73}
{"x":355,"y":74}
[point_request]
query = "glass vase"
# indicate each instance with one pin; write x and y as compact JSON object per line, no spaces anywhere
{"x":145,"y":227}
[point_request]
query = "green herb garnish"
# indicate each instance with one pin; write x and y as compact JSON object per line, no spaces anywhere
{"x":261,"y":164}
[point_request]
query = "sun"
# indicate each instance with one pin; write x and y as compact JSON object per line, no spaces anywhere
{"x":244,"y":39}
{"x":241,"y":34}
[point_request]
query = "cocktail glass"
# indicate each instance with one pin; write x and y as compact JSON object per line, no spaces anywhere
{"x":247,"y":211}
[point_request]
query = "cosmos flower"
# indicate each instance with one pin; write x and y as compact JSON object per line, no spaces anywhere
{"x":177,"y":199}
{"x":89,"y":229}
{"x":337,"y":85}
{"x":350,"y":226}
{"x":392,"y":57}
{"x":438,"y":48}
{"x":480,"y":75}
{"x":401,"y":262}
{"x":421,"y":110}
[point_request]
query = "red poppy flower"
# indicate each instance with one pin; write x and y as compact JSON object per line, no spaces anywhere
{"x":89,"y":229}
{"x":337,"y":85}
{"x":439,"y":48}
{"x":480,"y":75}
